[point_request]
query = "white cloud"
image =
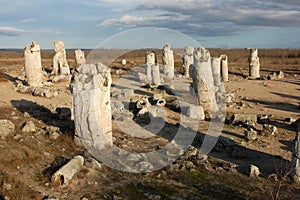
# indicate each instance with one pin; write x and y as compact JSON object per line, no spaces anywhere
{"x":11,"y":31}
{"x":130,"y":20}
{"x":27,"y":20}
{"x":126,"y":20}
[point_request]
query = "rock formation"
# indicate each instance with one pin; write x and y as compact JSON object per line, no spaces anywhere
{"x":188,"y":59}
{"x":254,"y":65}
{"x":224,"y":68}
{"x":92,"y":106}
{"x":296,"y":154}
{"x":150,"y":60}
{"x":203,"y":82}
{"x":60,"y":63}
{"x":168,"y":62}
{"x":79,"y":58}
{"x":33,"y":65}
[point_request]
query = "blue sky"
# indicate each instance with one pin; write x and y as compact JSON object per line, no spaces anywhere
{"x":212,"y":23}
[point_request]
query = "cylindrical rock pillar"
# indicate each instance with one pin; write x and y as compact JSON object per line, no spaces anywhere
{"x":79,"y":58}
{"x":296,"y":155}
{"x":254,"y":65}
{"x":168,"y":61}
{"x":188,"y":60}
{"x":150,"y":60}
{"x":60,"y":63}
{"x":156,"y":79}
{"x":64,"y":175}
{"x":203,"y":82}
{"x":33,"y":65}
{"x":91,"y":103}
{"x":224,"y":68}
{"x":216,"y":70}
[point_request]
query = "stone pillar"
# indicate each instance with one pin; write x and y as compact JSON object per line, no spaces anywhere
{"x":254,"y":65}
{"x":188,"y":59}
{"x":60,"y":64}
{"x":33,"y":65}
{"x":92,"y":106}
{"x":168,"y":62}
{"x":203,"y":82}
{"x":156,"y":80}
{"x":79,"y":58}
{"x":296,"y":155}
{"x":224,"y":68}
{"x":216,"y":70}
{"x":150,"y":60}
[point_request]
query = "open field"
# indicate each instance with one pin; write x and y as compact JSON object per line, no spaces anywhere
{"x":27,"y":160}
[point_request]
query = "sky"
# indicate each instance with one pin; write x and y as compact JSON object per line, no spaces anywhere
{"x":122,"y":23}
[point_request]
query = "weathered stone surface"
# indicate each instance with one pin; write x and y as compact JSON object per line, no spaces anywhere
{"x":224,"y":68}
{"x":250,"y":134}
{"x":65,"y":174}
{"x":254,"y":171}
{"x":188,"y":60}
{"x":44,"y":91}
{"x":168,"y":62}
{"x":203,"y":82}
{"x":275,"y":75}
{"x":155,"y":73}
{"x":117,"y":107}
{"x":79,"y":58}
{"x":33,"y":65}
{"x":254,"y":64}
{"x":216,"y":70}
{"x":143,"y":102}
{"x":60,"y":63}
{"x":92,"y":106}
{"x":122,"y":94}
{"x":193,"y":111}
{"x":244,"y":118}
{"x":6,"y":128}
{"x":150,"y":60}
{"x":296,"y":155}
{"x":123,"y":62}
{"x":29,"y":127}
{"x":269,"y":129}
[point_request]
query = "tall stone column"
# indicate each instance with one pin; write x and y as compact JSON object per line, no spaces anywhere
{"x":296,"y":155}
{"x":224,"y":68}
{"x":92,"y":106}
{"x":188,"y":60}
{"x":203,"y":82}
{"x":216,"y":70}
{"x":254,"y":65}
{"x":33,"y":65}
{"x":168,"y":62}
{"x":60,"y":63}
{"x":150,"y":59}
{"x":79,"y":58}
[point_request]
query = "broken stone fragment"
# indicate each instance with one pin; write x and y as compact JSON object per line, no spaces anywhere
{"x":244,"y":118}
{"x":250,"y":134}
{"x":269,"y":129}
{"x":29,"y":127}
{"x":143,"y":102}
{"x":6,"y":128}
{"x":64,"y":175}
{"x":254,"y":171}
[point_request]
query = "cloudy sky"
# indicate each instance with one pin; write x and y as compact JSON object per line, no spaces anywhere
{"x":212,"y":23}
